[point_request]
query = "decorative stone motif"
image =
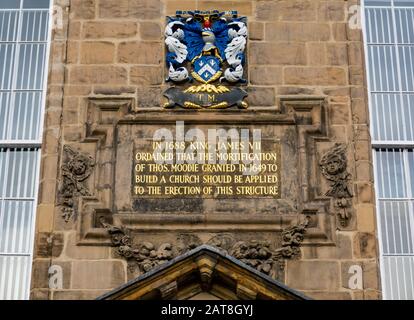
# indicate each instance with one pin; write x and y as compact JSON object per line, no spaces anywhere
{"x":334,"y":168}
{"x":255,"y":253}
{"x":76,"y":169}
{"x":212,"y":45}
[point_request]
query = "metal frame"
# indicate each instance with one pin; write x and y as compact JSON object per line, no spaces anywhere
{"x":403,"y":145}
{"x":34,"y":144}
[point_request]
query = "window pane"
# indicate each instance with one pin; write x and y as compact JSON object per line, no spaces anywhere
{"x":398,"y":273}
{"x":396,"y":219}
{"x":14,"y":277}
{"x":9,"y":4}
{"x":390,"y":174}
{"x":35,"y":4}
{"x":8,"y":25}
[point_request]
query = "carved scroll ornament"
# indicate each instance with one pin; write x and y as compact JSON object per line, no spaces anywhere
{"x":75,"y":170}
{"x":255,"y":253}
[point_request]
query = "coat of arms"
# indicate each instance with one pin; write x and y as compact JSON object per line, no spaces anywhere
{"x":206,"y":55}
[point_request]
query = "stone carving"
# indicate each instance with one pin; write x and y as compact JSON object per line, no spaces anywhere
{"x":76,"y":168}
{"x":334,"y":168}
{"x":212,"y":44}
{"x":145,"y":255}
{"x":255,"y":253}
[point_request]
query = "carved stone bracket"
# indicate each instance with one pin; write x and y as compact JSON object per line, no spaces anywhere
{"x":333,"y":165}
{"x":255,"y":253}
{"x":75,"y":170}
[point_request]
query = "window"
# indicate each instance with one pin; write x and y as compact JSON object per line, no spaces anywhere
{"x":24,"y":47}
{"x":389,"y":40}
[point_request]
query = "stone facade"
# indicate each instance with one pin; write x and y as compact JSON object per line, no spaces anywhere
{"x":303,"y":62}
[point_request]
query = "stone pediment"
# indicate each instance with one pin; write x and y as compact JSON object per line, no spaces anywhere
{"x":204,"y":273}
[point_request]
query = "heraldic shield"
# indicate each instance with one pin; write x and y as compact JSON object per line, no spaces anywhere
{"x":205,"y":60}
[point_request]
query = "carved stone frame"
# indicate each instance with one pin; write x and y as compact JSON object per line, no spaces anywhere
{"x":104,"y":114}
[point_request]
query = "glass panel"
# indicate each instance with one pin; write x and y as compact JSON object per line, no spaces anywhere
{"x":7,"y":52}
{"x":399,"y":278}
{"x":381,"y":28}
{"x":9,"y":4}
{"x":35,"y":4}
{"x":396,"y":219}
{"x":14,"y":277}
{"x":8,"y":25}
{"x":26,"y":116}
{"x":34,"y":26}
{"x":31,"y":65}
{"x":390,"y":174}
{"x":21,"y":173}
{"x":16,"y":227}
{"x":406,"y":56}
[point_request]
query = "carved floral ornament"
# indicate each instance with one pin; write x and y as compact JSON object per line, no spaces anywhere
{"x":255,"y":253}
{"x":75,"y":170}
{"x":211,"y":44}
{"x":333,"y":166}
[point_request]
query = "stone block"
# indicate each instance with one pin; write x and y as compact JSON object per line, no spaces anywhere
{"x":77,"y":294}
{"x":74,"y":251}
{"x":337,"y":54}
{"x":287,"y":31}
{"x":261,"y":96}
{"x":332,"y":11}
{"x":97,"y":52}
{"x":286,"y":10}
{"x":97,"y":75}
{"x":150,"y":31}
{"x":133,"y":9}
{"x":256,"y":30}
{"x":365,"y":245}
{"x":140,"y":52}
{"x":262,"y":75}
{"x":315,"y":76}
{"x":146,"y":75}
{"x":366,"y":213}
{"x":278,"y":54}
{"x":109,"y":29}
{"x":107,"y":274}
{"x":313,"y":275}
{"x":82,"y":9}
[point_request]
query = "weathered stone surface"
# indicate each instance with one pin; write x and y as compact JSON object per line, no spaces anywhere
{"x":77,"y":294}
{"x":286,"y":31}
{"x":140,"y":52}
{"x":287,"y":10}
{"x":150,"y":30}
{"x":315,"y":76}
{"x":256,"y":30}
{"x":146,"y":75}
{"x":98,"y":274}
{"x":332,"y":11}
{"x":337,"y":54}
{"x":109,"y":29}
{"x":313,"y":275}
{"x":49,"y":244}
{"x":261,"y":96}
{"x":40,"y":278}
{"x":278,"y":54}
{"x":261,"y":75}
{"x":149,"y":97}
{"x":83,"y":9}
{"x":328,"y":295}
{"x":365,"y":245}
{"x":366,"y":213}
{"x":97,"y":75}
{"x":76,"y":252}
{"x":137,"y":9}
{"x":97,"y":52}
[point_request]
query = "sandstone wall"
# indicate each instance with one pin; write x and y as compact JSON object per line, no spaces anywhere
{"x":114,"y":48}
